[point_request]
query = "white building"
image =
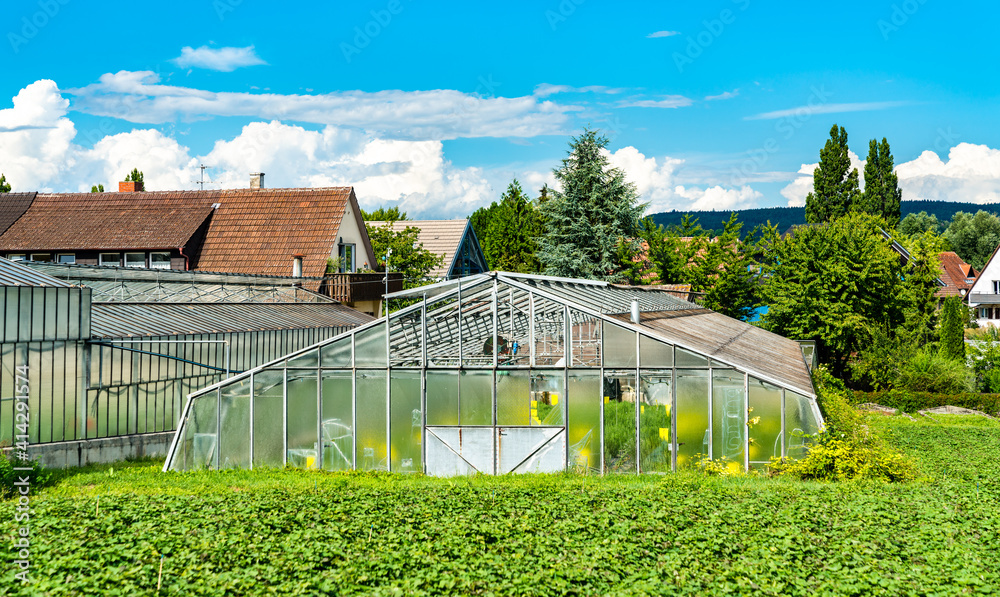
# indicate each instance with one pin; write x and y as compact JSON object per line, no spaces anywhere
{"x":984,"y":296}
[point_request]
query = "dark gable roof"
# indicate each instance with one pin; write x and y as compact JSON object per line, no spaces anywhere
{"x":12,"y":207}
{"x":107,"y":221}
{"x":248,"y":231}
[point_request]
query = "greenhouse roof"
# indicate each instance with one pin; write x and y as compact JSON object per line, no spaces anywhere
{"x":139,"y":285}
{"x":119,"y":320}
{"x":15,"y":274}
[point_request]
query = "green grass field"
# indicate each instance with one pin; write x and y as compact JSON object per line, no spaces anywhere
{"x":99,"y":531}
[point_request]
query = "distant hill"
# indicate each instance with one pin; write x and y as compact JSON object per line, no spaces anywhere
{"x":790,"y":216}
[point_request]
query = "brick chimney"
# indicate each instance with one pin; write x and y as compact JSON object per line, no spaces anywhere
{"x":130,"y":187}
{"x":256,"y":180}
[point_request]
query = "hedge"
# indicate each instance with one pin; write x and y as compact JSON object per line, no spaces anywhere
{"x":913,"y":401}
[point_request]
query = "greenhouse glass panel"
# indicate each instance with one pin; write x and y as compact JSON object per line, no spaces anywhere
{"x":655,"y":425}
{"x":548,"y":392}
{"x":586,"y":336}
{"x":513,"y":327}
{"x":371,"y":421}
{"x":800,"y":421}
{"x":729,"y":421}
{"x":234,"y":427}
{"x":460,"y":451}
{"x":268,"y":418}
{"x":475,"y":398}
{"x":406,"y":340}
{"x":406,"y":422}
{"x":619,"y":421}
{"x":477,"y":325}
{"x":686,"y":358}
{"x":550,"y":332}
{"x":583,"y":400}
{"x":308,"y":359}
{"x":514,"y":398}
{"x":338,"y":420}
{"x":370,"y":347}
{"x":692,"y":417}
{"x":204,"y":421}
{"x":303,"y":418}
{"x":655,"y":354}
{"x":337,"y":354}
{"x":442,"y":398}
{"x":765,"y":421}
{"x":531,"y":450}
{"x":619,"y":346}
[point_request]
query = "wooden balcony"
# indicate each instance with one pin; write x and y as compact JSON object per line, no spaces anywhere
{"x":352,"y":288}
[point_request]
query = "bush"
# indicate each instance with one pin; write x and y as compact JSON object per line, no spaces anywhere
{"x":846,"y":448}
{"x":930,"y":371}
{"x":40,"y":477}
{"x":912,"y":402}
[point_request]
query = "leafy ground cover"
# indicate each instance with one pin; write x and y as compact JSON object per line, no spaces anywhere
{"x":105,"y":530}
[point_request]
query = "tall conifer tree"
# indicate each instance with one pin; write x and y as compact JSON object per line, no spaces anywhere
{"x":882,"y":194}
{"x":835,"y":184}
{"x":589,"y":219}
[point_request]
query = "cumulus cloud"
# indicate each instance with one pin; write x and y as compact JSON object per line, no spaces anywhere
{"x":44,"y":155}
{"x":410,"y":115}
{"x":971,"y":173}
{"x":657,"y":182}
{"x":218,"y":59}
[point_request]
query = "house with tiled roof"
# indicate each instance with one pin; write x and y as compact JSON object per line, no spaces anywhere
{"x":957,"y":275}
{"x":984,"y":295}
{"x":259,"y":231}
{"x":454,"y":240}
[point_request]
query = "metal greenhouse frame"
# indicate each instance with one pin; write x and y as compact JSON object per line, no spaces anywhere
{"x":499,"y":373}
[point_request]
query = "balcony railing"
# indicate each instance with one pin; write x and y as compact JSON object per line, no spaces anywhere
{"x":983,"y":298}
{"x":351,"y":288}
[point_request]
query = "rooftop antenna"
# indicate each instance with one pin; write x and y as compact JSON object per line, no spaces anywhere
{"x":202,"y":182}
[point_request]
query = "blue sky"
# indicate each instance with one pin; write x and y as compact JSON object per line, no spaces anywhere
{"x":436,"y":106}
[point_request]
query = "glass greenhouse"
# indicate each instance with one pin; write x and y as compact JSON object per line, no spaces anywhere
{"x":499,"y":373}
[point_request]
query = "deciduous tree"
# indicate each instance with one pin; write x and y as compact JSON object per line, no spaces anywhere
{"x":4,"y":187}
{"x":974,"y":237}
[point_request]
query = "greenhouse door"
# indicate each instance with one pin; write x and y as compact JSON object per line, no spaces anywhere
{"x":460,"y":451}
{"x":531,"y":450}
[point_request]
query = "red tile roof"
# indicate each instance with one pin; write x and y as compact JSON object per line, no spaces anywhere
{"x":107,"y":221}
{"x":957,"y":275}
{"x":12,"y":207}
{"x":249,"y":231}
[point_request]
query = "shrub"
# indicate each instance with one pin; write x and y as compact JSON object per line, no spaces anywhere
{"x":40,"y":477}
{"x":846,"y":448}
{"x":930,"y":371}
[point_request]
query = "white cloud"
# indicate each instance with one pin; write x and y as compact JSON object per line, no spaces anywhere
{"x":971,"y":173}
{"x":812,"y":110}
{"x":219,"y":59}
{"x":656,"y":181}
{"x":42,"y":155}
{"x":669,"y":101}
{"x":723,"y":96}
{"x":547,"y":89}
{"x":797,"y":190}
{"x":658,"y":34}
{"x":412,"y":115}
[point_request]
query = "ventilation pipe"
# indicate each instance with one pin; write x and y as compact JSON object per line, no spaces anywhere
{"x":635,"y":311}
{"x":256,"y":180}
